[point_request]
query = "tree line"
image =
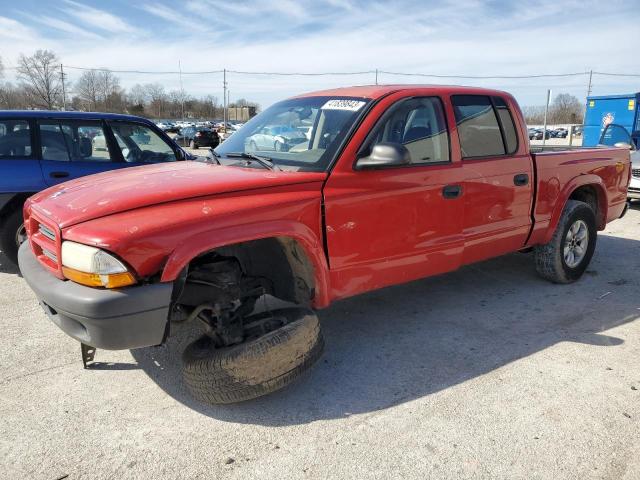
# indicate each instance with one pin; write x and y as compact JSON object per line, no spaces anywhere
{"x":41,"y":85}
{"x":564,"y":109}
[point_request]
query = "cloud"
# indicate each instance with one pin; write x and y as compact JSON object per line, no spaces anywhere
{"x":64,"y":26}
{"x":440,"y":37}
{"x":174,"y":16}
{"x":97,"y":18}
{"x":12,"y":29}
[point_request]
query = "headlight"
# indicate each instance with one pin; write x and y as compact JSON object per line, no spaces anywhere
{"x":93,"y":267}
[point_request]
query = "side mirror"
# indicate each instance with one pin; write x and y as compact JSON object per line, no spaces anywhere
{"x":384,"y":155}
{"x":180,"y":154}
{"x":624,"y":145}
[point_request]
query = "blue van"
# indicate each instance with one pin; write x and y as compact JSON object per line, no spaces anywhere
{"x":39,"y":149}
{"x":623,"y":110}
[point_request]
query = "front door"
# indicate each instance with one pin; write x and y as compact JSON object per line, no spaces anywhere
{"x":394,"y":225}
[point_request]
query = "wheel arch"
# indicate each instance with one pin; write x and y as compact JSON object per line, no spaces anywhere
{"x":287,"y":252}
{"x":585,"y":188}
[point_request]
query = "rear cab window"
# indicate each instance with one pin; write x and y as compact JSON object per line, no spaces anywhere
{"x":15,"y":139}
{"x":485,"y":126}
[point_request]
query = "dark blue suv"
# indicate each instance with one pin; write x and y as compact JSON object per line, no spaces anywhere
{"x":41,"y":148}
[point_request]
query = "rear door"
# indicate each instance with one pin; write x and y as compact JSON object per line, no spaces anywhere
{"x":75,"y":148}
{"x":19,"y":167}
{"x":498,"y":175}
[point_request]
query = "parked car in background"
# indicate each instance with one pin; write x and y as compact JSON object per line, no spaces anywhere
{"x":39,"y":149}
{"x":168,"y":127}
{"x":195,"y":137}
{"x":537,"y":134}
{"x":279,"y":138}
{"x":560,"y":133}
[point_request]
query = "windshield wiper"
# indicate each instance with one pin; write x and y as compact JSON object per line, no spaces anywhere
{"x":264,"y":161}
{"x":215,"y":156}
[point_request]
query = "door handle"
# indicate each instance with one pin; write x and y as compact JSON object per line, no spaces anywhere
{"x":521,"y":180}
{"x":451,"y":191}
{"x":59,"y":174}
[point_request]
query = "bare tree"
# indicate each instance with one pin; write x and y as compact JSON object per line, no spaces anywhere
{"x":533,"y":115}
{"x":108,"y":88}
{"x":157,"y":97}
{"x":12,"y":97}
{"x":87,"y":89}
{"x":566,"y":109}
{"x":40,"y":78}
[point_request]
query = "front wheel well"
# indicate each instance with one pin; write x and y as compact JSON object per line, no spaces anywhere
{"x":281,"y":261}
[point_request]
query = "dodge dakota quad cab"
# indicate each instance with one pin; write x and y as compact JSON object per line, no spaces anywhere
{"x":393,"y":183}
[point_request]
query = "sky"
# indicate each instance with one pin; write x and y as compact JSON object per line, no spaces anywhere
{"x":457,"y":37}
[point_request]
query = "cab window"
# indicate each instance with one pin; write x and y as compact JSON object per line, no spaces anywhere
{"x":418,"y":124}
{"x":478,"y":127}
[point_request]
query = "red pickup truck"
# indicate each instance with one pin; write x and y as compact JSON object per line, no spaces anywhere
{"x":318,"y":198}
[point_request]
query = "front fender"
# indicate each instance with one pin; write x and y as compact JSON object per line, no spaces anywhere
{"x":204,"y":242}
{"x":575,"y":183}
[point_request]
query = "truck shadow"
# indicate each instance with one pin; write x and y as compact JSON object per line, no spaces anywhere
{"x":398,"y":344}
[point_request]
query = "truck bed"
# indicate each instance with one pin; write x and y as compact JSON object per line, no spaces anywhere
{"x":559,"y":172}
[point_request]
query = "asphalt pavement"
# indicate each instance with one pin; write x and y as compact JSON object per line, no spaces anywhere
{"x":487,"y":372}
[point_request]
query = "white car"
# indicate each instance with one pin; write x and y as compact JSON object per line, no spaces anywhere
{"x":634,"y":186}
{"x":275,"y":137}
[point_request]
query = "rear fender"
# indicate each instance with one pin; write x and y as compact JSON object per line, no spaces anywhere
{"x":583,"y":180}
{"x":207,"y":241}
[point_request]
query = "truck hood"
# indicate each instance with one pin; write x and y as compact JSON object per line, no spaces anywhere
{"x":95,"y":196}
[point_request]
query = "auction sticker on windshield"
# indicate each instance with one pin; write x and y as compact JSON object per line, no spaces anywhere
{"x":338,"y":104}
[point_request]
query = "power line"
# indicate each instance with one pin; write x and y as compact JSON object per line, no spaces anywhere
{"x":301,"y":74}
{"x":435,"y":75}
{"x":363,"y":72}
{"x":617,"y":74}
{"x":145,"y":72}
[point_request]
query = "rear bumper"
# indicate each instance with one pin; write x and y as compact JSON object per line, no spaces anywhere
{"x":121,"y":319}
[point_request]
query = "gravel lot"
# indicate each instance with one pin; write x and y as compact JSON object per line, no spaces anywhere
{"x":488,"y":372}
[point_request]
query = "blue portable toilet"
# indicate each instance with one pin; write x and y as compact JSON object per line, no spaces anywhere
{"x":603,"y":110}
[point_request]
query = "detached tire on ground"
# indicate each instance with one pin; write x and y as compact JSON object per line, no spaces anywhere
{"x":257,"y":367}
{"x":565,"y":258}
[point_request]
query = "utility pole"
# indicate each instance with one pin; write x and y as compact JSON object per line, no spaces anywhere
{"x":64,"y":93}
{"x":546,"y":110}
{"x":181,"y":91}
{"x":224,"y":99}
{"x":588,"y":94}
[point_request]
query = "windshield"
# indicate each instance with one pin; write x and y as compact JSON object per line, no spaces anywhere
{"x":298,"y":134}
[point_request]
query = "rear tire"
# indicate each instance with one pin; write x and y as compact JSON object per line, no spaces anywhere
{"x":10,"y":235}
{"x":257,"y":367}
{"x":559,"y":260}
